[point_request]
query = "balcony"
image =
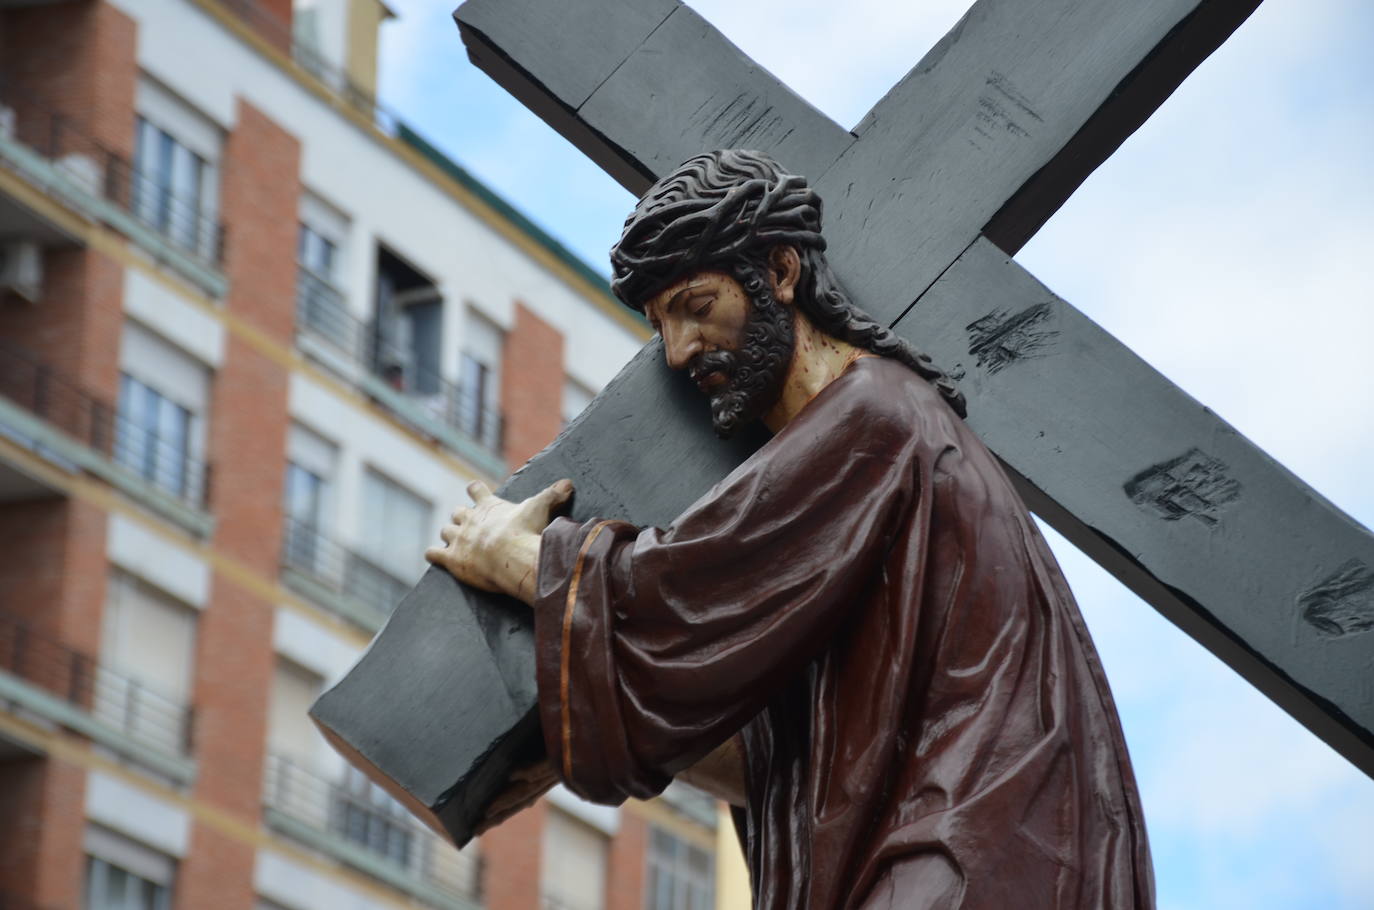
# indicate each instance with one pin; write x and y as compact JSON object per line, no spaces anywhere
{"x":51,"y":153}
{"x":280,"y":33}
{"x":72,"y":429}
{"x":430,"y":404}
{"x":363,"y":827}
{"x":64,"y":686}
{"x":332,"y":575}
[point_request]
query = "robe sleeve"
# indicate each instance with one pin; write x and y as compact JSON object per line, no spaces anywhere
{"x":654,"y":646}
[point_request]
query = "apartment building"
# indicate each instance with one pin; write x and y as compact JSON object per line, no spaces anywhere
{"x":256,"y":336}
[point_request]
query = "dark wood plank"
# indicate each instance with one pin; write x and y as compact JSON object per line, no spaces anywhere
{"x":1160,"y":491}
{"x":539,"y":52}
{"x":565,"y":47}
{"x":1133,"y":100}
{"x":687,"y":89}
{"x":683,"y":89}
{"x":994,"y":128}
{"x":999,"y":100}
{"x":442,"y":703}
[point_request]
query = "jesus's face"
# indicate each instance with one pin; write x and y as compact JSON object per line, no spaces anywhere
{"x":736,"y":347}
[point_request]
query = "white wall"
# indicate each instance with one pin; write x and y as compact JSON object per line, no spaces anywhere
{"x":160,"y":824}
{"x":382,"y":196}
{"x":174,"y":569}
{"x":299,"y":887}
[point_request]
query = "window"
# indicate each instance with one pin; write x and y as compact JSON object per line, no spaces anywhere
{"x":309,"y":502}
{"x":176,"y":151}
{"x":290,"y":734}
{"x":479,"y":389}
{"x":680,"y":874}
{"x":320,"y":304}
{"x":397,"y":526}
{"x":574,"y":868}
{"x":168,"y":180}
{"x":124,"y":875}
{"x":144,"y":681}
{"x":407,"y":328}
{"x":158,"y":431}
{"x":368,"y":816}
{"x":153,"y":436}
{"x":316,"y":252}
{"x":295,"y":748}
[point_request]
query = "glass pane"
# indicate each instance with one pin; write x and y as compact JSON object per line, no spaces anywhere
{"x":173,"y":436}
{"x":184,"y":199}
{"x":145,"y":180}
{"x":131,"y":435}
{"x":162,"y":179}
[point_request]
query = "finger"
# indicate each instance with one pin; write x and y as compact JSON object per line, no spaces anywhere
{"x":555,"y":494}
{"x":448,"y":532}
{"x":478,"y":491}
{"x":461,"y":514}
{"x":435,"y":555}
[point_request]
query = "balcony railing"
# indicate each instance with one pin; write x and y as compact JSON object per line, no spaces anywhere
{"x":360,"y":822}
{"x":322,"y":314}
{"x":113,"y":700}
{"x":102,"y":172}
{"x":278,"y":32}
{"x":341,"y":571}
{"x":89,"y":420}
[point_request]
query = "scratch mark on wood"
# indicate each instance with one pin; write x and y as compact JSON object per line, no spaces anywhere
{"x":1193,"y":485}
{"x":999,"y":339}
{"x":744,"y":120}
{"x":1002,"y":85}
{"x":1342,"y":603}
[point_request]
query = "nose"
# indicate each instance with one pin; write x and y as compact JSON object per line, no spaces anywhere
{"x":680,"y":345}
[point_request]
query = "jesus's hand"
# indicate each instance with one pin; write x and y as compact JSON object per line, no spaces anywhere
{"x":494,"y":544}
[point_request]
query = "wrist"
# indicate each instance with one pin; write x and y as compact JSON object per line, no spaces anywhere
{"x":520,"y":567}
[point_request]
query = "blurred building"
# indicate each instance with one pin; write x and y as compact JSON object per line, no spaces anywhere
{"x":255,"y":338}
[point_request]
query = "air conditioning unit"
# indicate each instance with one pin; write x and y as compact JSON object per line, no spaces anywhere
{"x":21,"y":269}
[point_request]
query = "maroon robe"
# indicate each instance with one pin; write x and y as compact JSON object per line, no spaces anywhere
{"x":866,"y":599}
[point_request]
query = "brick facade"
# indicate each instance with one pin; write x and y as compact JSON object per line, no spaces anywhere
{"x":68,"y":71}
{"x":234,"y":652}
{"x":511,"y":856}
{"x":625,"y":865}
{"x":532,"y":379}
{"x":74,"y":60}
{"x":41,"y":831}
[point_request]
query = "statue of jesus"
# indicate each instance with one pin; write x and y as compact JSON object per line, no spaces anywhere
{"x":858,"y":638}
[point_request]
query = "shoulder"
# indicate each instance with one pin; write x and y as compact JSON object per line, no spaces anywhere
{"x":879,"y":394}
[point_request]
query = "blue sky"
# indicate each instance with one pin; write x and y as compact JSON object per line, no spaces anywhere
{"x":1228,"y":242}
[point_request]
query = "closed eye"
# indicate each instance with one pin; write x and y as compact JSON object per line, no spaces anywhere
{"x":700,"y":306}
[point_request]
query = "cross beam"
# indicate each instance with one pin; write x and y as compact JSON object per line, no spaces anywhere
{"x":949,"y":173}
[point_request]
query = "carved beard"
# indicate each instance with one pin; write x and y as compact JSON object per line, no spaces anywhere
{"x":754,"y":371}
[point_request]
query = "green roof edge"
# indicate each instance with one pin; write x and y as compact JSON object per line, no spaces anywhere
{"x":511,"y":214}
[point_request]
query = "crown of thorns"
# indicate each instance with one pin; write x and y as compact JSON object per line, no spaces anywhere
{"x":713,"y":208}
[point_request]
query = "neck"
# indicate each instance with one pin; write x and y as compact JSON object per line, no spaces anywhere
{"x":818,"y":359}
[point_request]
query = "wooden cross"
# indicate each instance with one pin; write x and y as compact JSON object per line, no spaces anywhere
{"x":926,"y":200}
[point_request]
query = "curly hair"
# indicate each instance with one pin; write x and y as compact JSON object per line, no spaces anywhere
{"x":726,"y":209}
